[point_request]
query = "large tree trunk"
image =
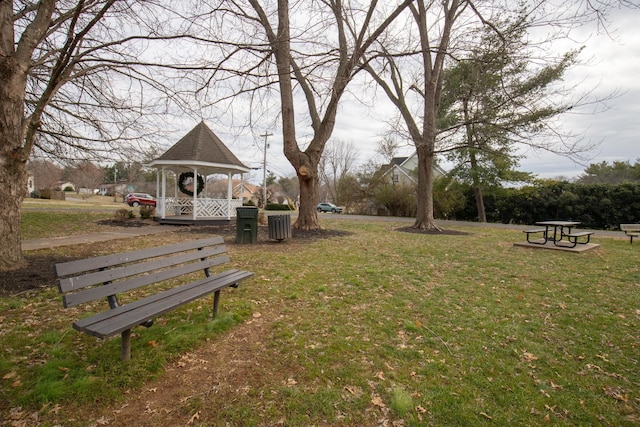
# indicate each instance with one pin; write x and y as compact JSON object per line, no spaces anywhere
{"x":13,"y":185}
{"x":424,"y":213}
{"x":13,"y":175}
{"x":477,"y":185}
{"x":17,"y":134}
{"x":307,"y":215}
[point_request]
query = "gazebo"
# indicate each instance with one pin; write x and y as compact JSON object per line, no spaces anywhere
{"x":199,"y":154}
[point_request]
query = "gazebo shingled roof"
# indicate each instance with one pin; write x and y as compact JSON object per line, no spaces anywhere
{"x":200,"y":146}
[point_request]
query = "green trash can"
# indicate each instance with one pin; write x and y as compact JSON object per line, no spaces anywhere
{"x":247,"y":224}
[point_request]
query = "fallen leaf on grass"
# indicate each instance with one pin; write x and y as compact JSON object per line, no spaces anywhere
{"x":617,"y":393}
{"x":487,"y":416}
{"x":377,"y":401}
{"x":556,"y":386}
{"x":291,"y":382}
{"x":355,"y":390}
{"x":194,"y":417}
{"x":529,"y":357}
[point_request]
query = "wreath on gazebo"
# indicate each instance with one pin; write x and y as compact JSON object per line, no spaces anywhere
{"x":185,"y":183}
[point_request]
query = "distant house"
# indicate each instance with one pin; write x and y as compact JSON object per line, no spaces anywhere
{"x":62,"y":186}
{"x":400,"y":170}
{"x":241,"y":190}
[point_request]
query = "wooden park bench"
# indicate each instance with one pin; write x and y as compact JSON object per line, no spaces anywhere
{"x":111,"y":276}
{"x":631,"y":230}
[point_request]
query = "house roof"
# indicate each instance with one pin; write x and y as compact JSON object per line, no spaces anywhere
{"x":201,"y":148}
{"x":402,"y":164}
{"x":398,"y":161}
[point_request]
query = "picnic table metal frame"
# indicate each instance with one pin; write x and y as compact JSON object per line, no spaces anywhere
{"x":558,"y":230}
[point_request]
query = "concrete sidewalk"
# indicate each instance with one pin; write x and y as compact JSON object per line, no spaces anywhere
{"x":122,"y":233}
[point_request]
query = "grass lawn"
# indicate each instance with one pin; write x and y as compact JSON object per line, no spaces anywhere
{"x":367,"y":326}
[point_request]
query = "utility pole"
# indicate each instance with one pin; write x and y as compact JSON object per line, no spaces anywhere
{"x":264,"y":169}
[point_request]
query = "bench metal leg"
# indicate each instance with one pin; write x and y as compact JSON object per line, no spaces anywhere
{"x":216,"y":302}
{"x":125,"y":352}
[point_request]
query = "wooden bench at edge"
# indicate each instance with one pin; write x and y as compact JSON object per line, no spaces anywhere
{"x":91,"y":279}
{"x":631,"y":230}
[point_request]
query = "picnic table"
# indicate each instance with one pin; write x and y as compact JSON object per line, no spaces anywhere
{"x":560,"y":233}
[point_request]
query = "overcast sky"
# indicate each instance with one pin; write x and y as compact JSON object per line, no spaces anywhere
{"x":613,"y":65}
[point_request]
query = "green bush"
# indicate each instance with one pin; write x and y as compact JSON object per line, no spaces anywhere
{"x":598,"y":206}
{"x":147,"y":212}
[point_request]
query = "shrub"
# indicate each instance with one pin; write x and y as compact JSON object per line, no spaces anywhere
{"x":147,"y":212}
{"x":121,"y":215}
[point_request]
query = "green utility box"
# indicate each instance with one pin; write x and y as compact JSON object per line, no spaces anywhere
{"x":247,"y":224}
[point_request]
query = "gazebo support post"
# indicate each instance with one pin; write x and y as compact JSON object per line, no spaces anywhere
{"x":229,"y":194}
{"x":195,"y":193}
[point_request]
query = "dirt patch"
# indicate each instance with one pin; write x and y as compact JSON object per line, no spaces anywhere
{"x":37,"y":274}
{"x":201,"y":381}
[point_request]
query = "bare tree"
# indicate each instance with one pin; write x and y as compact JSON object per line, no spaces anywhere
{"x":348,"y":30}
{"x":427,"y":86}
{"x":44,"y":173}
{"x":85,"y":174}
{"x":337,"y":162}
{"x":70,"y":74}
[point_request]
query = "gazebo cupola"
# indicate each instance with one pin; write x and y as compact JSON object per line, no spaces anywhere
{"x":191,"y":160}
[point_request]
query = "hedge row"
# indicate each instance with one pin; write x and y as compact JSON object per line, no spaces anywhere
{"x":598,"y":206}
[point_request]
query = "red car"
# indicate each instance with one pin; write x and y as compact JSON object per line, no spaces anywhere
{"x":139,"y":199}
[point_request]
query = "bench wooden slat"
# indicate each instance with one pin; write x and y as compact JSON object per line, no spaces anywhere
{"x":535,"y":230}
{"x":135,"y":304}
{"x":86,"y":295}
{"x":630,"y":227}
{"x":80,"y":266}
{"x":111,"y":274}
{"x":127,"y":316}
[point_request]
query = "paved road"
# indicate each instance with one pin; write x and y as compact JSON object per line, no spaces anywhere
{"x":30,"y":245}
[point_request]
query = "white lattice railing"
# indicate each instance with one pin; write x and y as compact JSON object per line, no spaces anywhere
{"x":204,"y":208}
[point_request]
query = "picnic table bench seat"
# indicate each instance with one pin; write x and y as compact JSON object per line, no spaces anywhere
{"x":87,"y":280}
{"x":571,"y":236}
{"x":535,"y":231}
{"x":575,"y":235}
{"x":631,"y":230}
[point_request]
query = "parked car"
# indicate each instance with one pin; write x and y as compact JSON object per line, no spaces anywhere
{"x":328,"y":207}
{"x":139,"y":199}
